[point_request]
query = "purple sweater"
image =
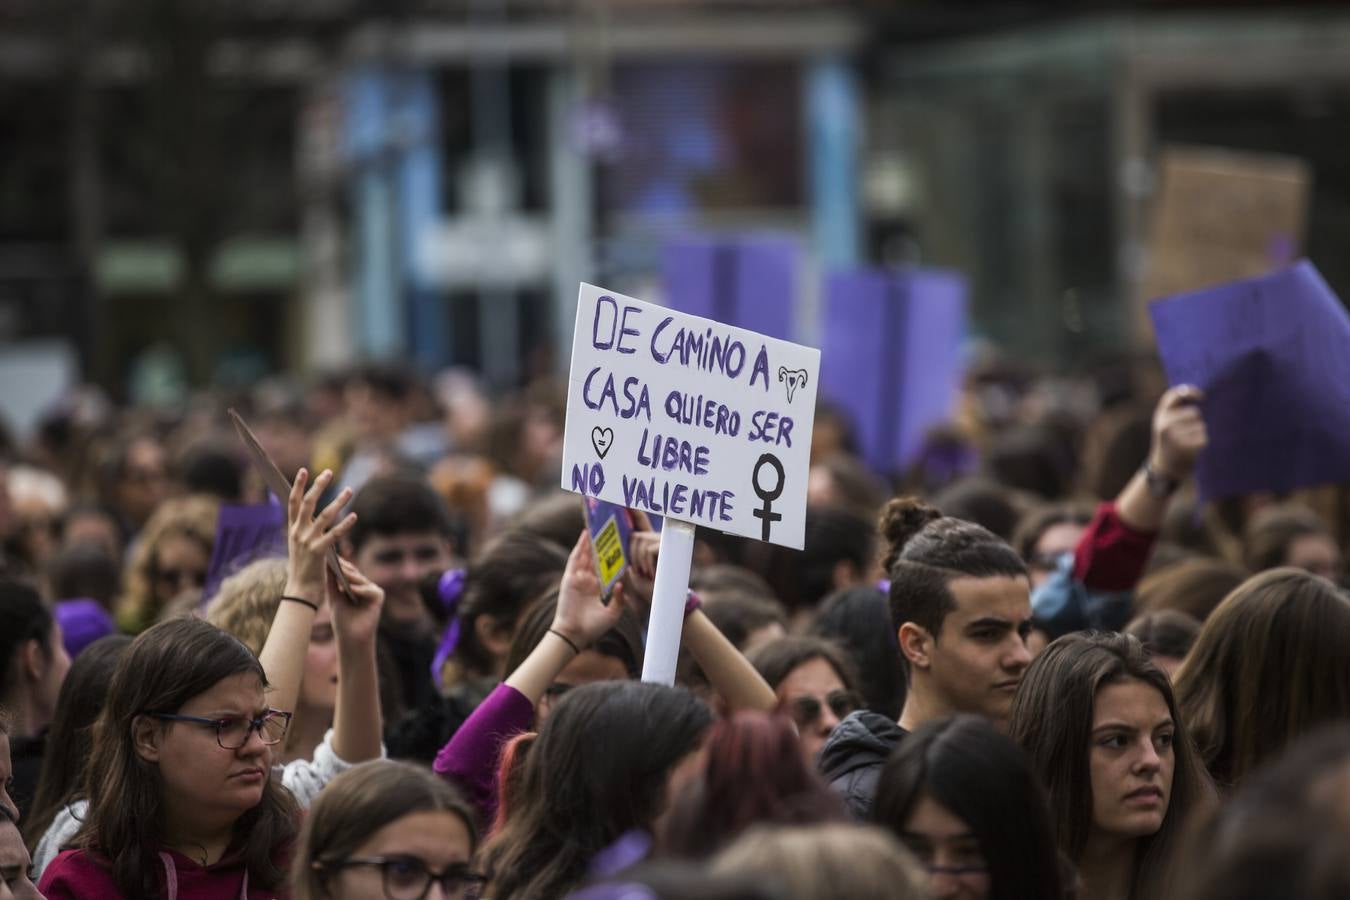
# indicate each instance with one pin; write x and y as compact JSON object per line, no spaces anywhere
{"x":471,"y":758}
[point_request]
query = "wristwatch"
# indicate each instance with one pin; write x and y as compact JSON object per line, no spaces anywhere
{"x":1159,"y":485}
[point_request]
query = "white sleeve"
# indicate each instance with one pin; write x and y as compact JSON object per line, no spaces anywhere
{"x":305,"y":778}
{"x":64,"y":827}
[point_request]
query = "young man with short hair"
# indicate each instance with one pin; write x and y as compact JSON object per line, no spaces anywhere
{"x":961,"y":606}
{"x":403,"y":537}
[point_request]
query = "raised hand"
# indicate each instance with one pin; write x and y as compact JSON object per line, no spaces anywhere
{"x":355,"y":623}
{"x":357,"y":721}
{"x":309,"y":538}
{"x":1179,"y":433}
{"x":582,"y":616}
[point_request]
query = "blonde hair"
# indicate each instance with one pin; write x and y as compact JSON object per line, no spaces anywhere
{"x":820,"y":862}
{"x":191,"y":517}
{"x":247,"y":602}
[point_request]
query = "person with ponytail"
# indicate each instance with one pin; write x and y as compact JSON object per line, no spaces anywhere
{"x":960,"y":602}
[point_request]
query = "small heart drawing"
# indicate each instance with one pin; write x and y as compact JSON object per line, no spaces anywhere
{"x":602,"y":439}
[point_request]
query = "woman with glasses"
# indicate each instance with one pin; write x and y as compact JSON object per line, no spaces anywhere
{"x":815,"y":682}
{"x":183,"y":799}
{"x":964,"y":799}
{"x":386,"y":831}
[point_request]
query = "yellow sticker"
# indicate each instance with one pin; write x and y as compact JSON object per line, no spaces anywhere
{"x":609,"y":553}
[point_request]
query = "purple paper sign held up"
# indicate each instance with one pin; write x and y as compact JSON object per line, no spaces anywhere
{"x":891,"y":356}
{"x":744,"y":280}
{"x":244,"y":534}
{"x":1273,"y":357}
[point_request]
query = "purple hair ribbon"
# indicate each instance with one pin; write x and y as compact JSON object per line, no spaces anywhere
{"x":450,"y":589}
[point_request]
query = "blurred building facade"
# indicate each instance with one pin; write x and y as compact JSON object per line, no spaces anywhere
{"x":273,"y":185}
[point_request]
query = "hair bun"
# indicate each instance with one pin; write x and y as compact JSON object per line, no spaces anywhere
{"x":901,"y":519}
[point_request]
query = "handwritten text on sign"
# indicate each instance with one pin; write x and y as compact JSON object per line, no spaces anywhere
{"x":689,"y":418}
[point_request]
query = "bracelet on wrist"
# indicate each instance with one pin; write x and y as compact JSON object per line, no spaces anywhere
{"x":571,"y":643}
{"x":1159,"y":485}
{"x":691,"y":603}
{"x":310,"y":603}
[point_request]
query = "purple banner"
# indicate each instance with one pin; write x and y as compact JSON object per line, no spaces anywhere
{"x":891,"y":356}
{"x":749,"y":281}
{"x":1271,"y":354}
{"x":244,"y":534}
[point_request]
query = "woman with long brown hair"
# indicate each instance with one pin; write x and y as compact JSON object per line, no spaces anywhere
{"x":180,"y":798}
{"x":1270,"y":665}
{"x":1098,"y":720}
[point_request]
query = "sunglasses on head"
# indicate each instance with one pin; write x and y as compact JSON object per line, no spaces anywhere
{"x":807,"y":710}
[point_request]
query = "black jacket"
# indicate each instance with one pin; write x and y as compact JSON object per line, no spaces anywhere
{"x":852,"y":758}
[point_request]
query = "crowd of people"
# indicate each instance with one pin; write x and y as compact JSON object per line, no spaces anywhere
{"x":1030,"y":664}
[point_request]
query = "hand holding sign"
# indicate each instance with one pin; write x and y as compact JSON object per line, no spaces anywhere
{"x":1269,"y":353}
{"x":1179,"y":433}
{"x":582,"y":615}
{"x":309,"y":538}
{"x":277,"y":483}
{"x":354,"y":623}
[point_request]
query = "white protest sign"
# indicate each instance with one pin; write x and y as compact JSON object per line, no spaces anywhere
{"x":689,"y":418}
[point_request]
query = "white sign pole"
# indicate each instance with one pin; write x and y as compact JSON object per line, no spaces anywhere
{"x":668,"y":600}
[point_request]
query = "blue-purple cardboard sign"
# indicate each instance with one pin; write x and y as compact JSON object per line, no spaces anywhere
{"x":244,"y":534}
{"x":1272,"y":355}
{"x":749,"y":281}
{"x":891,"y":356}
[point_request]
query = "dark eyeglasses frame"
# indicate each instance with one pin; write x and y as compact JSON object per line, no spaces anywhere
{"x":470,"y":880}
{"x":841,"y":703}
{"x":257,"y":725}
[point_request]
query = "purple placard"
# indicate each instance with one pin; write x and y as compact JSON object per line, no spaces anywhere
{"x":934,"y":330}
{"x":744,"y":280}
{"x":852,"y":359}
{"x":891,"y":356}
{"x":243,"y":534}
{"x":1271,"y":355}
